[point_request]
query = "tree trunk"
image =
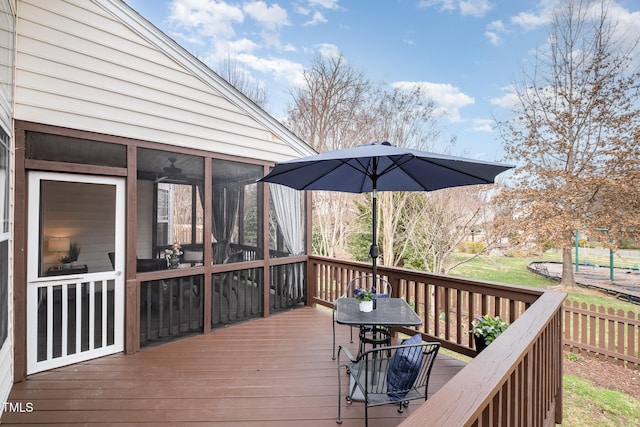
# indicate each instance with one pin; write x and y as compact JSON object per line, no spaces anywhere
{"x":567,"y":269}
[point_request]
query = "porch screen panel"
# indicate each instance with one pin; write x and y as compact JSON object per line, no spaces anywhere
{"x":236,"y":296}
{"x":171,"y":308}
{"x":59,"y":148}
{"x":237,"y":212}
{"x":170,"y":210}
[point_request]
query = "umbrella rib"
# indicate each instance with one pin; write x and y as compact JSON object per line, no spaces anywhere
{"x":311,"y":178}
{"x":457,"y":171}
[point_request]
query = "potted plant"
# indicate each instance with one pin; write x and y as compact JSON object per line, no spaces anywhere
{"x":486,"y":329}
{"x":173,"y":255}
{"x":365,"y":298}
{"x":71,"y":258}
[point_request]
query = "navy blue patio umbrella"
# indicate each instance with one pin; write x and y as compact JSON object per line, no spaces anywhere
{"x":381,"y":166}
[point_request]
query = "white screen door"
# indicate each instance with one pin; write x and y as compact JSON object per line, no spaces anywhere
{"x":75,"y":260}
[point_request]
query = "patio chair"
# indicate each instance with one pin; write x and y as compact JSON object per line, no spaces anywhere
{"x":388,"y":375}
{"x":368,"y":335}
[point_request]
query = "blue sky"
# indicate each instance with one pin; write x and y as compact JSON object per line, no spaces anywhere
{"x":466,"y":53}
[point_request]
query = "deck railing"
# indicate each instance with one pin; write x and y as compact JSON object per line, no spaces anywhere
{"x":515,"y":381}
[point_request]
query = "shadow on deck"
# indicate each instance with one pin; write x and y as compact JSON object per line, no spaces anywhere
{"x":275,"y":371}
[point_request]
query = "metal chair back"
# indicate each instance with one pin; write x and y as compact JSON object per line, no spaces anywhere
{"x":383,"y":290}
{"x":387,"y":375}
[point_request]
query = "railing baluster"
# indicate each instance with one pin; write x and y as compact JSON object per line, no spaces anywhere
{"x":92,"y":315}
{"x":105,"y":313}
{"x":78,"y":342}
{"x":65,"y":320}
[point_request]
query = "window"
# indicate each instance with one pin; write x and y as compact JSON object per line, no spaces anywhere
{"x":170,"y":208}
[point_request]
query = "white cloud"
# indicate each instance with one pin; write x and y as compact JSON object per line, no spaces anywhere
{"x":328,"y":50}
{"x":508,"y":101}
{"x":482,"y":125}
{"x":317,"y":18}
{"x":282,"y":69}
{"x":530,"y":21}
{"x":477,"y":8}
{"x":212,"y":18}
{"x":324,"y":4}
{"x":449,"y":99}
{"x":628,"y":27}
{"x":234,"y":47}
{"x":446,"y":5}
{"x":494,"y":38}
{"x":271,"y":17}
{"x":494,"y":32}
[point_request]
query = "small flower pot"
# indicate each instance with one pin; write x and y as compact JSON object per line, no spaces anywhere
{"x":480,"y":343}
{"x":366,"y":306}
{"x":174,"y":262}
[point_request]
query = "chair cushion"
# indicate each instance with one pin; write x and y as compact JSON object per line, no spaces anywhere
{"x":192,"y":256}
{"x":403,"y":369}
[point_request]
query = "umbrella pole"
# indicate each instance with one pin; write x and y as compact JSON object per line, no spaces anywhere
{"x":374,"y":251}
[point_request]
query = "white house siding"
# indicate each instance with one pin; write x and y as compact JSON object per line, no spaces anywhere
{"x":80,"y":66}
{"x":7,"y":20}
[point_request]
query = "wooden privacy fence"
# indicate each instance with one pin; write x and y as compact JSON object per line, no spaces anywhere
{"x":596,"y":331}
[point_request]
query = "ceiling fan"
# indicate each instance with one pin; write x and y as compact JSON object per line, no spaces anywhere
{"x":172,"y":173}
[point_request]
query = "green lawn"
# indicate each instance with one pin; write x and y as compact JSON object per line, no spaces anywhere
{"x":513,"y":270}
{"x":585,"y":405}
{"x":588,"y":406}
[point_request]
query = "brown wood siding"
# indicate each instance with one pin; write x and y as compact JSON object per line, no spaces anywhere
{"x":274,"y":371}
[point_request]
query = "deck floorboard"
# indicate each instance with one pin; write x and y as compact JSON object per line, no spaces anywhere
{"x":267,"y":372}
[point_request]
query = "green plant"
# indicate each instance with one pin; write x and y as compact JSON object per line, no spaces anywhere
{"x":488,"y":327}
{"x":72,"y":255}
{"x":572,"y":357}
{"x":364,"y":294}
{"x":174,"y":252}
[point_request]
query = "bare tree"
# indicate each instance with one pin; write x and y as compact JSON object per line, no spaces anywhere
{"x":339,"y":108}
{"x":327,"y":113}
{"x":406,"y":119}
{"x":576,"y":133}
{"x":442,"y":220}
{"x":241,"y":79}
{"x":326,"y":110}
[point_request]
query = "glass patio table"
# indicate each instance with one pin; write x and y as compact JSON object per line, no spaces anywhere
{"x":388,"y":312}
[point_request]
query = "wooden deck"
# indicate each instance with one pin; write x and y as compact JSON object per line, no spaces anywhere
{"x":266,"y":372}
